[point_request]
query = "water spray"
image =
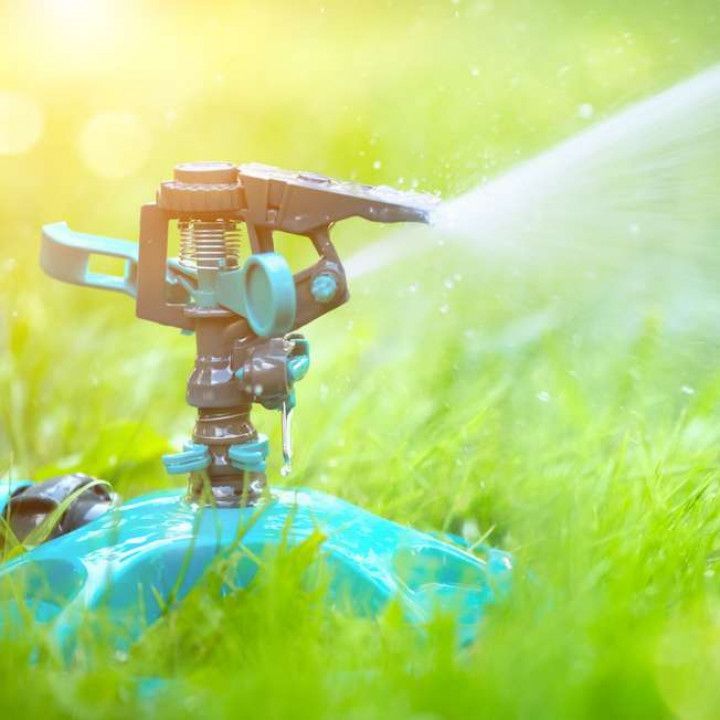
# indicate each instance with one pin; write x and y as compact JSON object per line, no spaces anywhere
{"x":233,"y":290}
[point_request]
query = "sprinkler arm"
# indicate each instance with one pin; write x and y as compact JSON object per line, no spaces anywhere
{"x":300,"y":203}
{"x":308,"y":204}
{"x":266,"y":199}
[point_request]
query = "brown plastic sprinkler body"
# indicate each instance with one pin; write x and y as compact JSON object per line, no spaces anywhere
{"x":244,"y":314}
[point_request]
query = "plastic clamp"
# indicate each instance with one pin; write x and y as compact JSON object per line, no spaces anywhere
{"x":250,"y":456}
{"x":193,"y":458}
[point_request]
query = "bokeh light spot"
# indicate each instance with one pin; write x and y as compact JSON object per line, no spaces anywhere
{"x":21,"y":123}
{"x":114,"y":144}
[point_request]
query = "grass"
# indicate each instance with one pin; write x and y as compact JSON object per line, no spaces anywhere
{"x":566,"y":409}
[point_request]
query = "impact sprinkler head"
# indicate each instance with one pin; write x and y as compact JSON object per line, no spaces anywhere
{"x":245,"y":307}
{"x":243,"y":304}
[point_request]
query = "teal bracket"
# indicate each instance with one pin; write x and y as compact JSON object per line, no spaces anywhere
{"x":66,"y":254}
{"x":250,"y":456}
{"x":193,"y":458}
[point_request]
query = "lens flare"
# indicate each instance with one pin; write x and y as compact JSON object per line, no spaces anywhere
{"x":114,"y":144}
{"x":21,"y":123}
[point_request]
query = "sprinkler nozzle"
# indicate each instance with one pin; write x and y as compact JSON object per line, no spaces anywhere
{"x":300,"y":201}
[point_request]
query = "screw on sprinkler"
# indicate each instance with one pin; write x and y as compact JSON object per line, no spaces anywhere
{"x":243,"y":304}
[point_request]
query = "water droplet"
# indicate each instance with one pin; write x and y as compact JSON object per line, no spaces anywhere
{"x":444,"y":309}
{"x":543,"y":396}
{"x":687,"y":390}
{"x":377,"y":165}
{"x":585,"y":111}
{"x":470,"y":530}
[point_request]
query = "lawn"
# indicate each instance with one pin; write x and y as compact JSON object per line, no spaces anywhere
{"x":563,"y":405}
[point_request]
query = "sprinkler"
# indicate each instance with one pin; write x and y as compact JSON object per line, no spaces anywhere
{"x":245,"y":307}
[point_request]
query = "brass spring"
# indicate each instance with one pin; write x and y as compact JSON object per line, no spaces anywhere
{"x":209,"y":243}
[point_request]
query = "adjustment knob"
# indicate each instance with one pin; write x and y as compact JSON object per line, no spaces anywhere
{"x":202,"y":186}
{"x":205,"y":172}
{"x":324,"y":287}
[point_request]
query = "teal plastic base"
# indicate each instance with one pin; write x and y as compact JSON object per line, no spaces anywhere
{"x":127,"y":565}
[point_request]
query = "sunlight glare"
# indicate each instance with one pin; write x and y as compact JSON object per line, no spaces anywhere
{"x":21,"y":123}
{"x":114,"y":144}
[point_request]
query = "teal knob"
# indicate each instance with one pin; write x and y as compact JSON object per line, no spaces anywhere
{"x":297,"y":367}
{"x":269,"y":290}
{"x":324,"y":287}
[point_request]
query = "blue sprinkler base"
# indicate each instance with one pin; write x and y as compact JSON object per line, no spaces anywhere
{"x":136,"y":560}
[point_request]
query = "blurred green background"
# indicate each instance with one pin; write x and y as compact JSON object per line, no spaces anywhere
{"x":99,"y":99}
{"x":566,"y":412}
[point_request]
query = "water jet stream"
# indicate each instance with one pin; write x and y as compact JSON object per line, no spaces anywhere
{"x":646,"y":177}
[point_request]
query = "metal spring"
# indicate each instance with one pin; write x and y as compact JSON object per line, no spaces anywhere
{"x":209,"y":243}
